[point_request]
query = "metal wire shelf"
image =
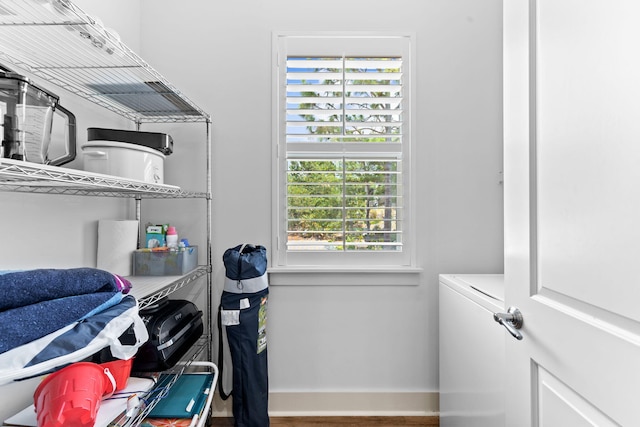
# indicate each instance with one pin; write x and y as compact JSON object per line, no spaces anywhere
{"x":58,"y":42}
{"x":163,"y":389}
{"x":150,"y":289}
{"x":16,"y":175}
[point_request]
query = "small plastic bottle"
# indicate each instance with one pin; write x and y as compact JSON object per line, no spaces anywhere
{"x":172,"y":237}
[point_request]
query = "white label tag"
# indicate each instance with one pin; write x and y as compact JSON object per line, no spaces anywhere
{"x":244,"y":303}
{"x":230,"y":317}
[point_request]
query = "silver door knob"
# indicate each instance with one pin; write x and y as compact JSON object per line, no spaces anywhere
{"x":511,"y":320}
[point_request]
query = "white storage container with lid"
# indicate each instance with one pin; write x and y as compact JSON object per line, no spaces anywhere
{"x":125,"y":160}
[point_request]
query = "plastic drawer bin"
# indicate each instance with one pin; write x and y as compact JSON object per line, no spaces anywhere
{"x":164,"y":263}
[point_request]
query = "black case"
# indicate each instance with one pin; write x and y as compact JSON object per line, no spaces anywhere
{"x":174,"y":326}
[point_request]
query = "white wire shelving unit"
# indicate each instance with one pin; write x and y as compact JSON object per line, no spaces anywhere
{"x":57,"y":42}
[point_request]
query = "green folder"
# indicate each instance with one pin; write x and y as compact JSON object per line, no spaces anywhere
{"x":186,"y":397}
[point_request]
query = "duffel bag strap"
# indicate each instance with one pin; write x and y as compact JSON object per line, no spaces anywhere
{"x":223,"y":395}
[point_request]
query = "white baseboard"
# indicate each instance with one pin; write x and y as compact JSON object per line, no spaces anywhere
{"x":287,"y":404}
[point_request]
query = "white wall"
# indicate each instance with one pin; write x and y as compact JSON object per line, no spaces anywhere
{"x":326,"y":339}
{"x":361,"y":338}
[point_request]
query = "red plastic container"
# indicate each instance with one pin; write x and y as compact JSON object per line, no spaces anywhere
{"x":121,"y":370}
{"x":71,"y":396}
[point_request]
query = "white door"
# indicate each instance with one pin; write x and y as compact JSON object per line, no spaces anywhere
{"x":572,"y":211}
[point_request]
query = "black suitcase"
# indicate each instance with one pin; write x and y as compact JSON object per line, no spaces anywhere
{"x":174,"y":326}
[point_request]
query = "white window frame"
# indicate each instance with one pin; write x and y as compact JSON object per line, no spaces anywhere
{"x":332,"y":44}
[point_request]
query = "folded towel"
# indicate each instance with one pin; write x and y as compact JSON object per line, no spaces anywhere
{"x":21,"y":288}
{"x":35,"y":303}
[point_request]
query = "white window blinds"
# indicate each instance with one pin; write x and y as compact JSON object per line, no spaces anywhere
{"x":344,"y":99}
{"x":344,"y":153}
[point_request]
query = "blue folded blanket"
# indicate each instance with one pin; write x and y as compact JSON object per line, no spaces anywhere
{"x":34,"y":303}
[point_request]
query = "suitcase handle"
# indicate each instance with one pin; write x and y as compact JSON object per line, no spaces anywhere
{"x":180,"y":333}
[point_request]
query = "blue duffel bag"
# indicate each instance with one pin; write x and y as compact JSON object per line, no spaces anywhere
{"x":243,"y":313}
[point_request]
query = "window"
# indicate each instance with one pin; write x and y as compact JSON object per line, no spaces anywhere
{"x":342,"y":135}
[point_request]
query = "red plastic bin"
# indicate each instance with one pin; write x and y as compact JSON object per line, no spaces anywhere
{"x":71,"y":396}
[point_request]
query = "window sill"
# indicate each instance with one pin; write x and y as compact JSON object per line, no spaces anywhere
{"x":344,"y":276}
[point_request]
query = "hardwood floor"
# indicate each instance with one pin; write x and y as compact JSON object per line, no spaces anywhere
{"x":340,"y":421}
